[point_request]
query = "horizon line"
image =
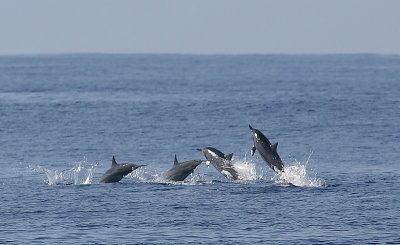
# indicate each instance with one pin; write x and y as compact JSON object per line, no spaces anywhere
{"x":194,"y":54}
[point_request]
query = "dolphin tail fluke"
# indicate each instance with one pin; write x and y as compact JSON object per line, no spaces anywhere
{"x":199,"y":149}
{"x":250,"y":127}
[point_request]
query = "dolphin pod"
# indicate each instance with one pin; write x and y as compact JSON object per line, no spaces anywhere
{"x":222,"y":162}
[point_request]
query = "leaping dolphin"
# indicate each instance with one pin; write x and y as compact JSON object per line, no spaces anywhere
{"x":118,"y":171}
{"x":180,"y":171}
{"x":266,"y":150}
{"x":221,"y":162}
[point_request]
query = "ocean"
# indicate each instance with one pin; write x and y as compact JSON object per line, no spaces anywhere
{"x":63,"y":117}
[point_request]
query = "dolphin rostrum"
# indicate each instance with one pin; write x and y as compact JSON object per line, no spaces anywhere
{"x":180,"y":171}
{"x":221,"y":162}
{"x":266,"y":150}
{"x":118,"y":171}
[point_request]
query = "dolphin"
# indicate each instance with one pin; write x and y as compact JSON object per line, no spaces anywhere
{"x":221,"y":162}
{"x":266,"y":150}
{"x":118,"y":171}
{"x":180,"y":171}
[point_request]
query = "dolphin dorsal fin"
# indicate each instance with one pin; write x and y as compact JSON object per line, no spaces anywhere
{"x":176,"y":161}
{"x":113,"y":163}
{"x":274,"y":146}
{"x":229,"y":156}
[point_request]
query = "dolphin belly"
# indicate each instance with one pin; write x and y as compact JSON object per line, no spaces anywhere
{"x":180,"y":171}
{"x":225,"y":168}
{"x":176,"y":176}
{"x":273,"y":160}
{"x":111,"y":178}
{"x":118,"y":171}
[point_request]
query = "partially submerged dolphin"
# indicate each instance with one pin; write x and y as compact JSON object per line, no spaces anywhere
{"x":118,"y":171}
{"x":221,"y":162}
{"x":180,"y":171}
{"x":266,"y":150}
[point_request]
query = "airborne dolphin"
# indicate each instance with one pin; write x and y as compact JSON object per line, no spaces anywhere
{"x":221,"y":162}
{"x":118,"y":171}
{"x":266,"y":149}
{"x":180,"y":171}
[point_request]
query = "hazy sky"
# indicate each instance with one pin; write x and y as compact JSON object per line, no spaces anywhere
{"x":203,"y":26}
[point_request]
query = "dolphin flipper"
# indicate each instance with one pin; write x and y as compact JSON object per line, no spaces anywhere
{"x":253,"y":149}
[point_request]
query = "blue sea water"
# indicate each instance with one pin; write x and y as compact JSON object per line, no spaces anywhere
{"x":63,"y":117}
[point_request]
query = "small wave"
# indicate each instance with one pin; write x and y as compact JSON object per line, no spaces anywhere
{"x":80,"y":174}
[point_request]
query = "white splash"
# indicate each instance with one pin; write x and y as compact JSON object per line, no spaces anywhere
{"x":148,"y":175}
{"x":297,"y":175}
{"x":54,"y":177}
{"x":247,"y":169}
{"x":196,"y":178}
{"x":81,"y":174}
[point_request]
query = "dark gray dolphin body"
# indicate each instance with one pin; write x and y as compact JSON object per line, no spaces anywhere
{"x":266,"y":149}
{"x":221,"y":162}
{"x":180,"y":171}
{"x":118,"y":171}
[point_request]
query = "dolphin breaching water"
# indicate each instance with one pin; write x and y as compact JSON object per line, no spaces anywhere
{"x":267,"y":151}
{"x":118,"y":171}
{"x":180,"y":171}
{"x":222,"y":162}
